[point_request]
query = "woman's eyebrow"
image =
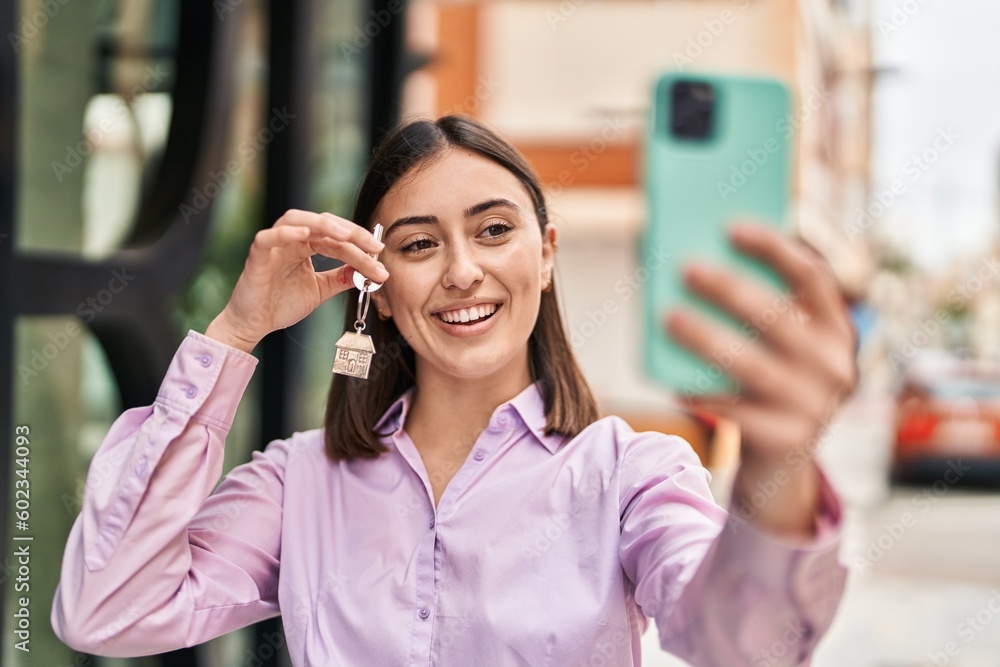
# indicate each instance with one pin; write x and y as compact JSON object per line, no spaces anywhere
{"x":473,"y":210}
{"x":410,"y":220}
{"x":476,"y":209}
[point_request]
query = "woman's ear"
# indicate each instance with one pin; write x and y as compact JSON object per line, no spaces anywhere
{"x":379,"y":301}
{"x":549,"y":246}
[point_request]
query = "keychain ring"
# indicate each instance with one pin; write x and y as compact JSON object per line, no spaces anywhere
{"x":364,"y":300}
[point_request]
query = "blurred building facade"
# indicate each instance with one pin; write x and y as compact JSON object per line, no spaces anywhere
{"x":570,"y":84}
{"x":144,"y":143}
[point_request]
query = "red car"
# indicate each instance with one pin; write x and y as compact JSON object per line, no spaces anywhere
{"x":948,"y":411}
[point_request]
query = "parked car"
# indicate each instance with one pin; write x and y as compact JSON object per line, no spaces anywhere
{"x":948,"y":412}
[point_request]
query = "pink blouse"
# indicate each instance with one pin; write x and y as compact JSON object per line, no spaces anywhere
{"x":543,"y":550}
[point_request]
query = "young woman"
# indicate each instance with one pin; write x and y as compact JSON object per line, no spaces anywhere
{"x":466,"y":505}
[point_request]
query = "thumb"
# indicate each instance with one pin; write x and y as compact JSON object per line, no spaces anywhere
{"x":333,"y":282}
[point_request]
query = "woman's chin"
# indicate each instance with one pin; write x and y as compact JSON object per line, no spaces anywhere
{"x":472,"y":365}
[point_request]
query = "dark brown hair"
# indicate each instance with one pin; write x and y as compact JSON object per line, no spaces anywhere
{"x":355,"y":405}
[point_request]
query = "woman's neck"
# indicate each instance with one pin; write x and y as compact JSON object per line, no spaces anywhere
{"x":451,"y":412}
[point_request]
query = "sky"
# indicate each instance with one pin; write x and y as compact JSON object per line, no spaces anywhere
{"x":940,"y":70}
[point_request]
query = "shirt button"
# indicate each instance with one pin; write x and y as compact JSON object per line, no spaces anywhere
{"x":500,"y":423}
{"x":190,"y":392}
{"x":205,"y":360}
{"x":479,"y":455}
{"x":431,"y":524}
{"x":424,"y":612}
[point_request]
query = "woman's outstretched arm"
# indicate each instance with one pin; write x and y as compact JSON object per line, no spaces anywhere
{"x":766,"y":587}
{"x":723,"y":590}
{"x":793,"y":372}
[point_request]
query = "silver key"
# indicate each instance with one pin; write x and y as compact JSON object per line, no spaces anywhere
{"x":362,"y":283}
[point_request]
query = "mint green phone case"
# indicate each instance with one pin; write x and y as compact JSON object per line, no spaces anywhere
{"x":695,"y":189}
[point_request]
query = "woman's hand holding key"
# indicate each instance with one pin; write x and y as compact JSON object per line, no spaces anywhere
{"x":279,"y":286}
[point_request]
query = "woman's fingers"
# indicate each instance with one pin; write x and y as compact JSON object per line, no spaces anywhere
{"x":301,"y":234}
{"x":341,"y":239}
{"x":774,"y":316}
{"x":286,"y":238}
{"x":806,"y":274}
{"x":814,"y":345}
{"x":279,"y":285}
{"x":793,"y":379}
{"x":759,"y":372}
{"x":757,"y":418}
{"x":358,"y":235}
{"x":325,"y":225}
{"x":351,"y":254}
{"x":750,"y":365}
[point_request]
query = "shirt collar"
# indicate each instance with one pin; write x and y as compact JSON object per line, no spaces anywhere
{"x":529,"y":406}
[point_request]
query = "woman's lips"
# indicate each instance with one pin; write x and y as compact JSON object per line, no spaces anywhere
{"x":470,"y":328}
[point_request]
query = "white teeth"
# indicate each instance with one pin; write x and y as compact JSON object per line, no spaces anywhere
{"x":470,"y":314}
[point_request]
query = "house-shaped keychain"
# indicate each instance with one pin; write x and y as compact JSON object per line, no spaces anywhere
{"x":354,"y":355}
{"x":355,"y":350}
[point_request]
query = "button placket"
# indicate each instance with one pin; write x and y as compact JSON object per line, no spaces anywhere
{"x":423,"y":601}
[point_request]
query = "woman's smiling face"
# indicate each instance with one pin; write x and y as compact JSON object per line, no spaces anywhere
{"x":467,"y":264}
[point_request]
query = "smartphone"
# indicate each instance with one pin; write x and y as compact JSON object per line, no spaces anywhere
{"x":717,"y":148}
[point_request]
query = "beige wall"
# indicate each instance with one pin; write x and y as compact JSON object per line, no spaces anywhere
{"x":567,"y":67}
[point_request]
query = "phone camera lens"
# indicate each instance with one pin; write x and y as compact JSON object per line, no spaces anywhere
{"x":692,"y":109}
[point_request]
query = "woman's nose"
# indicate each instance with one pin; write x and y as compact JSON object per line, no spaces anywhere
{"x":463,"y":269}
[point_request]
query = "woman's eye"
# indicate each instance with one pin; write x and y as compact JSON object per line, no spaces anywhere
{"x":497,"y":229}
{"x":417,"y":246}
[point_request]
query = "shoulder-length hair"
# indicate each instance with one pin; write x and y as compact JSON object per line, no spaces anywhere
{"x":354,"y":405}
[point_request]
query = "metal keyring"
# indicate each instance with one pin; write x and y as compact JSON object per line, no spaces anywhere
{"x":363,"y":298}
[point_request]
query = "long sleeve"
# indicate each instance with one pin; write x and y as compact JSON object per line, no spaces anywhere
{"x":156,"y":560}
{"x":722,"y":592}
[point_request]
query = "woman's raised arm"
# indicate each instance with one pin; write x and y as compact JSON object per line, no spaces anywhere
{"x":156,"y":560}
